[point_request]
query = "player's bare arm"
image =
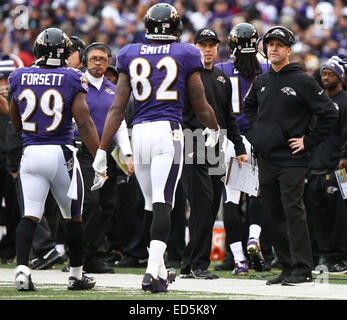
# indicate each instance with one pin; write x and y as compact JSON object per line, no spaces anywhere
{"x":15,"y":116}
{"x":198,"y":100}
{"x":116,"y":112}
{"x":86,"y":126}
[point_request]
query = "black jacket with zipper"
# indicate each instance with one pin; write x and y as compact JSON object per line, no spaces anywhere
{"x":280,"y":106}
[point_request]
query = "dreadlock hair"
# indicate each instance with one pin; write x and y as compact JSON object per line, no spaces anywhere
{"x":247,"y":65}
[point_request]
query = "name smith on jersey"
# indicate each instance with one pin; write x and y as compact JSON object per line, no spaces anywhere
{"x":165,"y":49}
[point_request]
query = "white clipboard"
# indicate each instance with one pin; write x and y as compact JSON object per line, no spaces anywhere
{"x":244,"y":179}
{"x":341,"y":178}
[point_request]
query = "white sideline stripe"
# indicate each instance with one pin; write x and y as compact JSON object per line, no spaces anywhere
{"x":222,"y":286}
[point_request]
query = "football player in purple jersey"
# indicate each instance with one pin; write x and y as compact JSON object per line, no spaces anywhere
{"x":242,"y":71}
{"x":45,"y":99}
{"x":157,"y":74}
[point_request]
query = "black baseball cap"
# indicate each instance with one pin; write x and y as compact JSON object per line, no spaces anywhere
{"x":205,"y":34}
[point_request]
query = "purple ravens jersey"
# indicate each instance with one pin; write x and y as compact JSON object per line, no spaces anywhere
{"x":240,"y":88}
{"x":44,"y":98}
{"x":158,"y":75}
{"x":99,"y":102}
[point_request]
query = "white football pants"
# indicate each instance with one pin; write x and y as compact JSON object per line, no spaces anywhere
{"x":158,"y":160}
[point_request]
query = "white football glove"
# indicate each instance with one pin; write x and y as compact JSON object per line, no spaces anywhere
{"x":212,"y":136}
{"x":99,"y":181}
{"x":100,"y":168}
{"x":3,"y":232}
{"x":100,"y":162}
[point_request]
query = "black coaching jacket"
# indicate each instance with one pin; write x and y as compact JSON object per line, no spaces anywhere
{"x":218,"y":93}
{"x":280,"y":106}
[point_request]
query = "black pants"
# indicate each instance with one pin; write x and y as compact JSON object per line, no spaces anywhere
{"x":328,"y":217}
{"x":9,"y":215}
{"x":98,"y":206}
{"x":126,"y":232}
{"x":204,"y":194}
{"x":281,"y":190}
{"x":176,"y":242}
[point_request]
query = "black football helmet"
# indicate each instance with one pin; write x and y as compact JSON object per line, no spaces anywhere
{"x":52,"y":47}
{"x":243,"y":39}
{"x":163,"y":22}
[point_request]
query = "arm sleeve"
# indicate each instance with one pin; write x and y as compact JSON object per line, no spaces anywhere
{"x":122,"y":138}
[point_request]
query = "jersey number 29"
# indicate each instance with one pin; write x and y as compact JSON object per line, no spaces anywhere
{"x":51,"y":108}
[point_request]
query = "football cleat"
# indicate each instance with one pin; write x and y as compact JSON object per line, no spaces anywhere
{"x":241,"y":268}
{"x":85,"y":283}
{"x":154,"y":285}
{"x":23,"y":280}
{"x":254,"y":251}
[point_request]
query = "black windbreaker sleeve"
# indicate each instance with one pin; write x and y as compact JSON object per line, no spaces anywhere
{"x":233,"y":130}
{"x":344,"y":151}
{"x":324,"y":110}
{"x":343,"y":116}
{"x":343,"y":122}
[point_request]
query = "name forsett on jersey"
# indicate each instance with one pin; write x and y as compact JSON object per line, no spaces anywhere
{"x":36,"y":79}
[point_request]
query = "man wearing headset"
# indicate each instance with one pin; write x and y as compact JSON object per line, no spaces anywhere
{"x":99,"y":205}
{"x":280,"y":106}
{"x":75,"y":58}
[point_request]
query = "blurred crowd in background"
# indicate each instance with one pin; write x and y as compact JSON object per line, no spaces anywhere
{"x":320,"y":26}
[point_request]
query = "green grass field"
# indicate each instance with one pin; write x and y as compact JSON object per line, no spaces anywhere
{"x":58,"y":291}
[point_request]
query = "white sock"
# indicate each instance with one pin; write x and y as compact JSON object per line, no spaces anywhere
{"x":60,"y":248}
{"x":155,"y":256}
{"x":162,"y":272}
{"x":24,"y":269}
{"x":254,"y":231}
{"x":76,"y":272}
{"x":237,"y":250}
